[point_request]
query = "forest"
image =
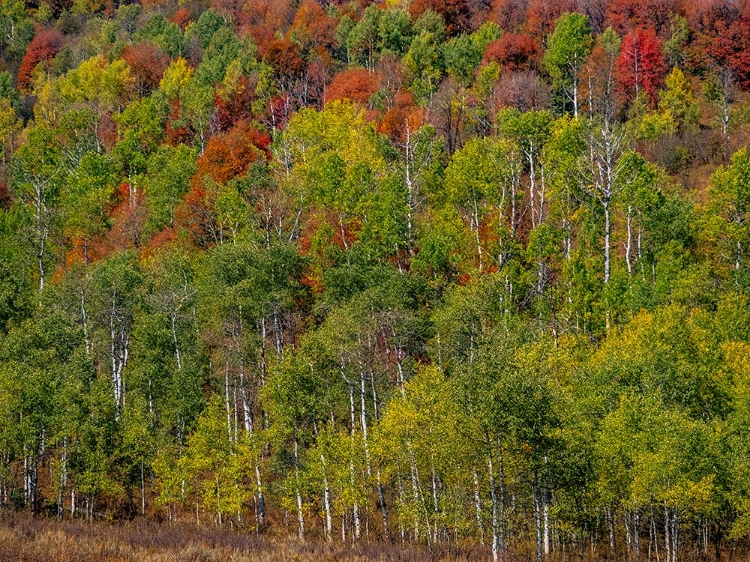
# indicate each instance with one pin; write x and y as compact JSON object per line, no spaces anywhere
{"x":444,"y":274}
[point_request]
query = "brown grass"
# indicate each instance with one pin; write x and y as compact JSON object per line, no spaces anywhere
{"x":26,"y":539}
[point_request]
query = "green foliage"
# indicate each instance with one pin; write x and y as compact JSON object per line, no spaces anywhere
{"x":567,"y":48}
{"x":165,"y":181}
{"x":424,"y":60}
{"x":462,"y":56}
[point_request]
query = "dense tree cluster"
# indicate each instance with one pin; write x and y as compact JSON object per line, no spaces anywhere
{"x":454,"y":272}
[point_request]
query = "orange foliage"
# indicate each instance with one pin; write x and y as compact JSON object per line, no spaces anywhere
{"x":161,"y":238}
{"x":403,"y":116}
{"x":182,"y":17}
{"x":224,"y":158}
{"x":263,"y":18}
{"x":128,"y":214}
{"x":284,"y":57}
{"x":357,"y":85}
{"x":312,"y":26}
{"x":229,"y":156}
{"x":197,"y":215}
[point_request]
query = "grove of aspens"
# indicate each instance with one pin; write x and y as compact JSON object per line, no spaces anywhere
{"x":455,"y":275}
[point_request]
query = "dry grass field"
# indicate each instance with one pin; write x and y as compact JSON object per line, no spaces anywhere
{"x":24,"y":539}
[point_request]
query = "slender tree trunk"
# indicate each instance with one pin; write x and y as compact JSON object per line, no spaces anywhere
{"x":667,"y":536}
{"x":409,"y":188}
{"x":85,"y":323}
{"x":261,"y":498}
{"x":478,"y":508}
{"x":300,"y":514}
{"x":607,"y":236}
{"x":629,"y":243}
{"x":610,"y":517}
{"x":738,"y":256}
{"x":177,"y":354}
{"x":143,"y":489}
{"x":415,"y":489}
{"x":63,"y":478}
{"x":327,"y":500}
{"x":352,"y":475}
{"x":378,"y":479}
{"x":493,"y":497}
{"x":545,"y":520}
{"x":227,"y":403}
{"x":538,"y":523}
{"x":575,"y":87}
{"x":435,"y":502}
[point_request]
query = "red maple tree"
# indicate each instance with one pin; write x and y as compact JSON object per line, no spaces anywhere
{"x":514,"y":52}
{"x":640,"y":65}
{"x":43,"y":48}
{"x":147,"y":62}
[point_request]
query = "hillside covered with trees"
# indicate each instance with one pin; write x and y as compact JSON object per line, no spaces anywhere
{"x":457,"y":273}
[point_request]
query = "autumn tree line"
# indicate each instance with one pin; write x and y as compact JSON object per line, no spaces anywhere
{"x":449,"y":272}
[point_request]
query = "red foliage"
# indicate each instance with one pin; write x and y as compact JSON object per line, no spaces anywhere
{"x":509,"y":14}
{"x":356,"y":85}
{"x":726,"y":41}
{"x":228,"y":9}
{"x":45,"y":45}
{"x":456,"y":13}
{"x":390,"y":72}
{"x":711,"y":17}
{"x":197,"y":215}
{"x":147,"y":62}
{"x":180,"y":134}
{"x":542,"y":14}
{"x":229,"y":156}
{"x":280,"y":111}
{"x":284,"y":57}
{"x":628,"y":15}
{"x":5,"y":197}
{"x":106,"y":131}
{"x":223,"y":159}
{"x":129,"y":215}
{"x":522,"y":90}
{"x":235,"y":104}
{"x":640,"y":65}
{"x":514,"y":52}
{"x":161,"y":238}
{"x":182,"y":17}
